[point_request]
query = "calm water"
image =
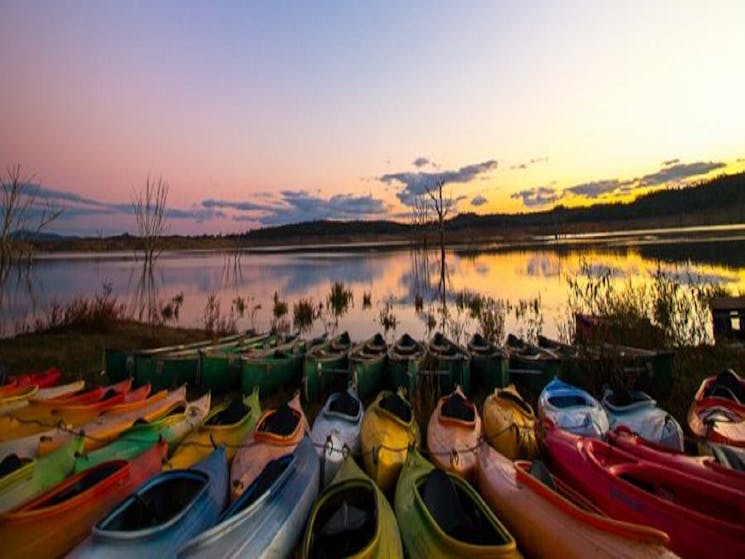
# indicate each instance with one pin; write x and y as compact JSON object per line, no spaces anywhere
{"x":395,"y":275}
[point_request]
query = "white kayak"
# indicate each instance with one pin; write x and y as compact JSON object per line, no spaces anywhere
{"x":572,"y":409}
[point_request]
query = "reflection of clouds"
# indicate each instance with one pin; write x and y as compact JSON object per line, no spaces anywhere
{"x":543,"y":266}
{"x":482,"y":269}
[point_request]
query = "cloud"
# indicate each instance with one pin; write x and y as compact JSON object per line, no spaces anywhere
{"x":595,"y":189}
{"x":421,"y":162}
{"x":679,"y":171}
{"x":523,"y":166}
{"x":478,"y":200}
{"x":537,"y":196}
{"x":419,"y":182}
{"x":670,"y":162}
{"x":244,"y":206}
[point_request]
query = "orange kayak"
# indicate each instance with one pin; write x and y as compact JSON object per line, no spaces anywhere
{"x":17,"y":398}
{"x":276,"y":434}
{"x":453,"y":434}
{"x":108,"y":426}
{"x":509,"y":424}
{"x":55,"y":522}
{"x":547,"y":522}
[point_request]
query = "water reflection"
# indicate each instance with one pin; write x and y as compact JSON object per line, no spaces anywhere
{"x":397,"y":282}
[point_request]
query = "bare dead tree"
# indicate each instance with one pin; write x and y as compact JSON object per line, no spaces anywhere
{"x":21,"y":212}
{"x":149,"y":207}
{"x":441,"y":204}
{"x":421,"y":217}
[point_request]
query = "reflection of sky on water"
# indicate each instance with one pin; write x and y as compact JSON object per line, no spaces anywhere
{"x":396,"y":275}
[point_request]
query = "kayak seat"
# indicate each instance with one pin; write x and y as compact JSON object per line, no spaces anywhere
{"x":457,"y":407}
{"x":110,"y":393}
{"x":567,"y":401}
{"x":396,"y":405}
{"x":345,"y":524}
{"x":345,"y":404}
{"x":516,"y":399}
{"x":263,"y":482}
{"x":92,"y":477}
{"x":455,"y":512}
{"x":10,"y":464}
{"x":727,"y":385}
{"x":156,"y":504}
{"x":282,"y":422}
{"x":539,"y":471}
{"x":232,"y":414}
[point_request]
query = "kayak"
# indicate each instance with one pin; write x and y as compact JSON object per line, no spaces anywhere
{"x":172,"y":429}
{"x":120,"y":363}
{"x":323,"y":362}
{"x":174,"y":368}
{"x":162,"y":514}
{"x":639,"y":413}
{"x":441,"y":515}
{"x":107,"y":427}
{"x":367,"y":363}
{"x":85,"y":397}
{"x":531,"y":366}
{"x":228,"y":424}
{"x":271,"y":370}
{"x":704,"y":467}
{"x":728,"y":456}
{"x":277,"y":433}
{"x":37,"y":476}
{"x":572,"y":409}
{"x":450,"y":364}
{"x":509,"y":424}
{"x":267,"y":520}
{"x":352,"y":518}
{"x":388,"y":430}
{"x":522,"y":492}
{"x":702,"y":519}
{"x":489,"y":363}
{"x":405,"y":359}
{"x":453,"y":435}
{"x":336,"y":431}
{"x":58,"y":392}
{"x":59,"y":519}
{"x":718,"y":409}
{"x":17,"y":398}
{"x":43,"y":379}
{"x":78,"y":414}
{"x":220,"y":369}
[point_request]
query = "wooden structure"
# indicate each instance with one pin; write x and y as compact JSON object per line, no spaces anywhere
{"x":729,"y":318}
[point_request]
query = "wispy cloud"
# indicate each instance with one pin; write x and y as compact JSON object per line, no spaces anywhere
{"x":537,"y":196}
{"x":416,"y":183}
{"x":525,"y":165}
{"x":420,"y":162}
{"x":679,"y":172}
{"x":478,"y":200}
{"x":670,"y":162}
{"x":594,"y":189}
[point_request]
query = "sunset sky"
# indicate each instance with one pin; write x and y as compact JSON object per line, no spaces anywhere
{"x":261,"y":113}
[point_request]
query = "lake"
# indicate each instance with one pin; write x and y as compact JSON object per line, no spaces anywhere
{"x":393,"y":278}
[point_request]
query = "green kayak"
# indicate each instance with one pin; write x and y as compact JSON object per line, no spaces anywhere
{"x":405,"y":359}
{"x":171,"y":369}
{"x":273,"y":369}
{"x":450,"y":364}
{"x":441,"y":515}
{"x":367,"y":362}
{"x":323,"y":363}
{"x":45,"y":473}
{"x":352,"y":518}
{"x":489,"y":363}
{"x":173,"y":429}
{"x":220,"y":369}
{"x":120,"y":363}
{"x":531,"y":366}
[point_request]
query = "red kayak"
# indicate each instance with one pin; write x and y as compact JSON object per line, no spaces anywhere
{"x":705,"y":467}
{"x":703,"y":519}
{"x":44,"y":379}
{"x":718,"y":409}
{"x":91,"y":395}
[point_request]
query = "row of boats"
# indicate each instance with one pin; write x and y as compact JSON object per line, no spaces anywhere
{"x":274,"y":362}
{"x":157,"y":474}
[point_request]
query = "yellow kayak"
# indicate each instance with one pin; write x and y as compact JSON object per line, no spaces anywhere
{"x":388,"y":430}
{"x":509,"y":424}
{"x":17,"y":399}
{"x":228,"y":424}
{"x":352,"y":518}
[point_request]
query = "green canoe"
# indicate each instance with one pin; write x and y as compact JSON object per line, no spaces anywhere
{"x":367,"y":362}
{"x":120,"y":363}
{"x":173,"y":429}
{"x":531,"y":366}
{"x":323,"y":363}
{"x":450,"y":364}
{"x":489,"y":363}
{"x":273,"y":369}
{"x":441,"y":515}
{"x":405,"y":359}
{"x":220,"y":370}
{"x":352,"y":518}
{"x":171,"y":369}
{"x":45,"y":473}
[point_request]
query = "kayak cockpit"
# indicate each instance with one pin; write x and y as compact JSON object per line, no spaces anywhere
{"x":457,"y":407}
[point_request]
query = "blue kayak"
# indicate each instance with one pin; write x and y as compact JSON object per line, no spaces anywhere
{"x":268,"y":519}
{"x":572,"y":409}
{"x":163,"y":514}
